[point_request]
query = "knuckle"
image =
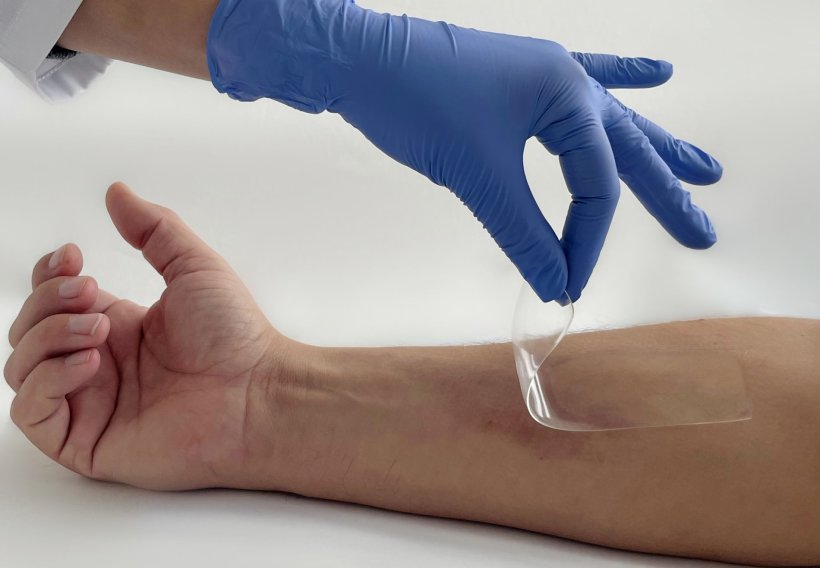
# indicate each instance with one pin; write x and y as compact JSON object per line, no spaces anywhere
{"x":572,"y":72}
{"x":16,"y":411}
{"x":47,"y":332}
{"x":12,"y":336}
{"x":171,"y":214}
{"x":8,"y":372}
{"x":42,"y":289}
{"x":169,"y":219}
{"x":552,"y":60}
{"x":576,"y":72}
{"x":555,"y":48}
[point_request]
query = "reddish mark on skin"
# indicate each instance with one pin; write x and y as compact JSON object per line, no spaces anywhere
{"x":548,"y":443}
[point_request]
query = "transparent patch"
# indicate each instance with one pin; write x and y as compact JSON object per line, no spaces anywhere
{"x":639,"y":386}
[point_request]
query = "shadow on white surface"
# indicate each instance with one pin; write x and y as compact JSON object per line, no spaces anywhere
{"x":52,"y":516}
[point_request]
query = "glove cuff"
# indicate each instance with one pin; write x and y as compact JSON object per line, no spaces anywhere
{"x":293,"y":51}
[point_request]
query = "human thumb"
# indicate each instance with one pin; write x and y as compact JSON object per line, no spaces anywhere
{"x":166,"y":242}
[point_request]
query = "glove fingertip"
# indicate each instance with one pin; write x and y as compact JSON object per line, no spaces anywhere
{"x":706,"y":240}
{"x":665,"y":69}
{"x":549,"y":283}
{"x":711,"y":170}
{"x":713,"y":173}
{"x":650,"y":72}
{"x":701,"y":234}
{"x":718,"y":172}
{"x":695,"y":166}
{"x":574,"y":289}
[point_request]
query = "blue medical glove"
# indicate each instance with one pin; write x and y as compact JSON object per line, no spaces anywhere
{"x":458,"y":105}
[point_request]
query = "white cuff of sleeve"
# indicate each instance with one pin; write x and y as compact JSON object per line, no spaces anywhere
{"x":29,"y":29}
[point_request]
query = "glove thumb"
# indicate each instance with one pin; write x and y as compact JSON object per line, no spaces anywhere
{"x":166,"y":242}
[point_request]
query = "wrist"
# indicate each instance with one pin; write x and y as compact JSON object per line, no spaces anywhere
{"x":399,"y":428}
{"x":316,"y":416}
{"x":275,"y":400}
{"x":309,"y":416}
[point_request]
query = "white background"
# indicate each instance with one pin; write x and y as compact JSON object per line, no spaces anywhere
{"x":342,"y":246}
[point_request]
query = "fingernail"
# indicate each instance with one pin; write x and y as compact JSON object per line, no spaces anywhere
{"x":71,"y":288}
{"x":56,"y":257}
{"x":78,"y":358}
{"x":85,"y":324}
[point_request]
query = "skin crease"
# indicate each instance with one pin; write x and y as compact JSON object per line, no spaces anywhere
{"x":199,"y":390}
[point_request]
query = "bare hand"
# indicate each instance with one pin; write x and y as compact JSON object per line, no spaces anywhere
{"x":155,"y":397}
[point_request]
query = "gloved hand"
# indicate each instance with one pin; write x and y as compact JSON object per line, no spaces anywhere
{"x":458,"y":105}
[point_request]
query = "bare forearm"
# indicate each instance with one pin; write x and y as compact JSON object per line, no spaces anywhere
{"x":164,"y":34}
{"x":443,"y":431}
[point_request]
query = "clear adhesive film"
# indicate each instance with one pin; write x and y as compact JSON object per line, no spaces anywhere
{"x":633,"y":386}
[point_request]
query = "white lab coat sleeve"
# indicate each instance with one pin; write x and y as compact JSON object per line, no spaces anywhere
{"x":29,"y":29}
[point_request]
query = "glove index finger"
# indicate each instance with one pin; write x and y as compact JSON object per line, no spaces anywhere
{"x":615,"y":72}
